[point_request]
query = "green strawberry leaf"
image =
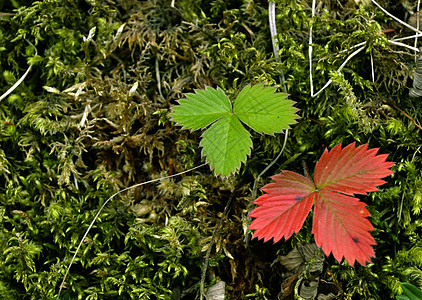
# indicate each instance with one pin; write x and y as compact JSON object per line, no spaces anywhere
{"x":264,"y":110}
{"x":226,"y":145}
{"x":201,"y":109}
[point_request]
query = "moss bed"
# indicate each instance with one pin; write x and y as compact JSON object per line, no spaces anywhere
{"x":91,"y":118}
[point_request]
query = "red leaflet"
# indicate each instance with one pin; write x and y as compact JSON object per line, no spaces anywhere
{"x":340,"y":223}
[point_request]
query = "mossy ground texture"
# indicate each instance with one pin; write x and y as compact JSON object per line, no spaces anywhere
{"x":92,"y":118}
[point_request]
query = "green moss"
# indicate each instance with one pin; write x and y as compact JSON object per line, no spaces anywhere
{"x":91,"y":118}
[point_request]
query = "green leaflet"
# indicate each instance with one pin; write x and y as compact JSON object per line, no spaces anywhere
{"x":202,"y":108}
{"x":226,"y":143}
{"x":264,"y":110}
{"x":411,"y":292}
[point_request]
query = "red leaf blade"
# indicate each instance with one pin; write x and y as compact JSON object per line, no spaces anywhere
{"x":340,"y":223}
{"x":351,"y":170}
{"x":340,"y":227}
{"x":284,"y":209}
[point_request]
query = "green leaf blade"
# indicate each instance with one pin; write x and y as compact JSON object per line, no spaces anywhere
{"x":411,"y":291}
{"x":202,"y":108}
{"x":264,"y":110}
{"x":226,"y":144}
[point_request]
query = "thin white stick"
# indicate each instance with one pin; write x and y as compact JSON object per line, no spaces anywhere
{"x":339,"y":69}
{"x":401,"y":207}
{"x":372,"y":68}
{"x":273,"y":28}
{"x":407,"y":37}
{"x":272,"y":163}
{"x":349,"y":58}
{"x":157,"y":75}
{"x":323,"y":88}
{"x":102,"y":207}
{"x":310,"y":51}
{"x":397,"y":19}
{"x":16,"y":84}
{"x":354,"y":46}
{"x":404,"y":45}
{"x":274,"y":39}
{"x":417,"y":27}
{"x":414,"y":153}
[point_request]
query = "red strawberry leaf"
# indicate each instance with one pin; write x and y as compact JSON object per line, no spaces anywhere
{"x":340,"y":226}
{"x":340,"y":223}
{"x":284,"y":208}
{"x":351,"y":170}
